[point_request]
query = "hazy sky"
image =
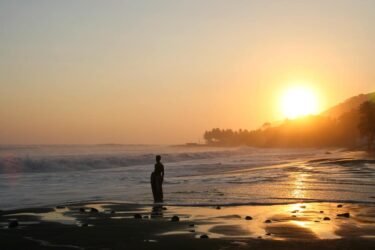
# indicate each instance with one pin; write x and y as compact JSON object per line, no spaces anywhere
{"x":77,"y":71}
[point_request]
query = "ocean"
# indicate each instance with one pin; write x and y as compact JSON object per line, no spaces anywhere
{"x":42,"y":175}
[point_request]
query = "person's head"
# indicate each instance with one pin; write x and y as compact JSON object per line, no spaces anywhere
{"x":158,"y":158}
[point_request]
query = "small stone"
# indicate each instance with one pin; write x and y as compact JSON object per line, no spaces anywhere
{"x":60,"y":207}
{"x":316,"y":221}
{"x":339,"y":205}
{"x":192,"y":231}
{"x":191,"y":225}
{"x":218,"y":207}
{"x":204,"y":236}
{"x":346,"y":215}
{"x":248,"y":218}
{"x":82,"y":209}
{"x":259,"y":237}
{"x":13,"y":224}
{"x":294,"y":216}
{"x":295,"y":211}
{"x":84,"y":225}
{"x":175,"y":218}
{"x":268,"y":234}
{"x":267,"y":221}
{"x":145,"y":217}
{"x":302,"y":206}
{"x":137,"y":216}
{"x":321,"y":212}
{"x":94,"y":210}
{"x":326,"y":218}
{"x":164,"y":208}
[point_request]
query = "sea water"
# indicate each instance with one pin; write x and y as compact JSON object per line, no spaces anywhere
{"x":40,"y":175}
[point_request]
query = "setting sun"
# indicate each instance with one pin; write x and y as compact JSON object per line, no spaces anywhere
{"x":298,"y":101}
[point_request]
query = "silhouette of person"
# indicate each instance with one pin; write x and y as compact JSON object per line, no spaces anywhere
{"x":157,"y":178}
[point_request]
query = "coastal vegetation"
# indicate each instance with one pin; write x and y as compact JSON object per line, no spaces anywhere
{"x":349,"y":124}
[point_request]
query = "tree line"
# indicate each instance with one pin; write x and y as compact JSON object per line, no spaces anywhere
{"x":349,"y":129}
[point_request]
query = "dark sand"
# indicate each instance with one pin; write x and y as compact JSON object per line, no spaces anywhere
{"x":113,"y":226}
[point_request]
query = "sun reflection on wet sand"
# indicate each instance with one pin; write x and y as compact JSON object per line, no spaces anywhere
{"x":294,"y":221}
{"x":277,"y":222}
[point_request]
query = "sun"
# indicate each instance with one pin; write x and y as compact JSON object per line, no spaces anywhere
{"x":299,"y":101}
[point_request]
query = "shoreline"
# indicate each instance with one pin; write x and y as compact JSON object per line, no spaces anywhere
{"x":116,"y":225}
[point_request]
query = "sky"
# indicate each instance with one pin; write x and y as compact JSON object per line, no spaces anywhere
{"x":163,"y":72}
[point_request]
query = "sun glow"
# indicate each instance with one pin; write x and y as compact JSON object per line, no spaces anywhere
{"x":299,"y":101}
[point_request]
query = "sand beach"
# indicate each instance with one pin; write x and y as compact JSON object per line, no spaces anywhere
{"x":116,"y":225}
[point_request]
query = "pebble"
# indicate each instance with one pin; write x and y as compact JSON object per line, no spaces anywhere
{"x":267,"y":221}
{"x":145,"y":217}
{"x":192,"y":231}
{"x":218,"y":207}
{"x":302,"y":206}
{"x":191,"y":225}
{"x":295,"y":211}
{"x":204,"y":236}
{"x":60,"y":207}
{"x":175,"y":218}
{"x":82,"y":209}
{"x":84,"y":225}
{"x":321,"y":212}
{"x":326,"y":218}
{"x":346,"y":215}
{"x":339,"y":205}
{"x":94,"y":210}
{"x":248,"y":218}
{"x":137,"y":216}
{"x":13,"y":224}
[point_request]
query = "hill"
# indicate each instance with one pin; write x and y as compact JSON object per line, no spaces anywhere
{"x":338,"y":127}
{"x":348,"y":105}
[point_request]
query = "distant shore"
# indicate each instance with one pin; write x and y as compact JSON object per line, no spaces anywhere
{"x":113,"y":225}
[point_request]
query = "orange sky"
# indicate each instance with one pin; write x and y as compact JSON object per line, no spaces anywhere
{"x":141,"y":72}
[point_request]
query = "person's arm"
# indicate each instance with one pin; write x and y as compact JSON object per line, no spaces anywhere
{"x":162,"y":173}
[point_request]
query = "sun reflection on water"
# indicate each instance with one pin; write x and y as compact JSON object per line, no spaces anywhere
{"x":299,"y":185}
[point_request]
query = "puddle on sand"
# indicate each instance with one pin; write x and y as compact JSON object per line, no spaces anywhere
{"x":291,"y":221}
{"x":48,"y":244}
{"x":58,"y":215}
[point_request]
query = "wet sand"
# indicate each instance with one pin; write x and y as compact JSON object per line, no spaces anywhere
{"x":113,"y":225}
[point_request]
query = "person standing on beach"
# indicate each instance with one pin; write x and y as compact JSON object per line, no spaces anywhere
{"x":157,"y":178}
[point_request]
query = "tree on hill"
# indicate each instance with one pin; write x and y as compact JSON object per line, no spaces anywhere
{"x":341,"y":126}
{"x":367,"y":122}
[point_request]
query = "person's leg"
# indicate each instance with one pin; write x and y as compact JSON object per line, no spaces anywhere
{"x":161,"y":191}
{"x":154,"y":187}
{"x":159,"y":196}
